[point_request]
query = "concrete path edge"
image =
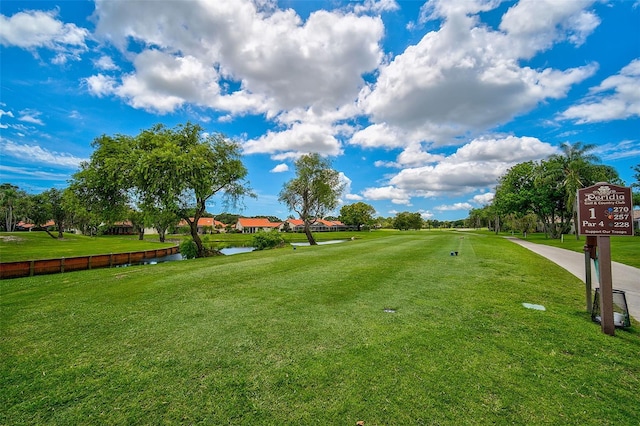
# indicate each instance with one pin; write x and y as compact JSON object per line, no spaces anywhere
{"x":625,"y":278}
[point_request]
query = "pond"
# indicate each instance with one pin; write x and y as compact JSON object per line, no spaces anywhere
{"x":173,"y":257}
{"x":228,"y":251}
{"x":236,"y":250}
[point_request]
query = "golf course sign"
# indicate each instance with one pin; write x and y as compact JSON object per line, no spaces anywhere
{"x":605,"y":210}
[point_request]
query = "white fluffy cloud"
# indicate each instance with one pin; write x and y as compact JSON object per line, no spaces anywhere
{"x":300,"y":138}
{"x":307,"y":74}
{"x":475,"y":165}
{"x":163,"y":82}
{"x":105,"y":63}
{"x":285,"y":62}
{"x":616,"y":98}
{"x":536,"y":24}
{"x":466,"y":77}
{"x":31,"y":116}
{"x":396,"y":195}
{"x":37,"y":154}
{"x":100,"y":85}
{"x":280,"y":168}
{"x":510,"y":149}
{"x":453,"y":207}
{"x":8,"y":114}
{"x":37,"y":29}
{"x":483,"y":199}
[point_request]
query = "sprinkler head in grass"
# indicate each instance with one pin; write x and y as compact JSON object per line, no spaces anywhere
{"x":534,"y":306}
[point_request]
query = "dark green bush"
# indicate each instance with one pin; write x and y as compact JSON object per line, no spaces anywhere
{"x":266,"y":240}
{"x":188,"y":249}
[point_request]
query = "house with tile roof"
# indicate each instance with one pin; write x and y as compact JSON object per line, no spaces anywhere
{"x":24,"y":226}
{"x":251,"y":225}
{"x":320,"y":225}
{"x":206,"y":224}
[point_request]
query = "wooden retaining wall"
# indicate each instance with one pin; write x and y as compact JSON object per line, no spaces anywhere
{"x":29,"y":268}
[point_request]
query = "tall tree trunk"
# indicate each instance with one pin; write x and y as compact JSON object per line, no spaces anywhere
{"x":193,"y":226}
{"x":9,"y":218}
{"x":307,"y":231}
{"x":60,"y":230}
{"x":161,"y":233}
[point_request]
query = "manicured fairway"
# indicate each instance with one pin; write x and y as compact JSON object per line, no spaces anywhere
{"x":302,"y":337}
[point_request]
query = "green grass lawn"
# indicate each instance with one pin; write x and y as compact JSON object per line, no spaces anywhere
{"x":623,"y":249}
{"x":35,"y":245}
{"x":302,"y":337}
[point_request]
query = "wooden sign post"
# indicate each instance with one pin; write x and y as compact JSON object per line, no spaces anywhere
{"x":604,"y":210}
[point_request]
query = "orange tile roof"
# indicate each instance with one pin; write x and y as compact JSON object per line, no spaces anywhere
{"x":22,"y":224}
{"x":204,"y":221}
{"x":257,"y":222}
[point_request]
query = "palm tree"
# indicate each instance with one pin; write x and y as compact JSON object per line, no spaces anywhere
{"x":575,"y":172}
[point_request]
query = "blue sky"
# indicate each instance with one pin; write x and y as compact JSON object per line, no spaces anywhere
{"x":420,"y":105}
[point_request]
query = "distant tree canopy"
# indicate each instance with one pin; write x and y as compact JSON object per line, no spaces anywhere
{"x":357,"y":214}
{"x":548,"y":189}
{"x":313,"y":192}
{"x":14,"y":204}
{"x":227,"y":218}
{"x":405,"y":221}
{"x":162,"y":172}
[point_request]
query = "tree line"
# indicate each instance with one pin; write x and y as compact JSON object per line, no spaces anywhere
{"x":541,"y":195}
{"x":164,"y":175}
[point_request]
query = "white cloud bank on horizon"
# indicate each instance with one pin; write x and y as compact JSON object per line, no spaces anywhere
{"x":37,"y":154}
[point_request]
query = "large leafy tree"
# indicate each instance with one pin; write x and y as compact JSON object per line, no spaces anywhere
{"x":313,"y":192}
{"x":573,"y":169}
{"x":59,"y":213}
{"x":103,"y":184}
{"x":163,"y":172}
{"x":357,"y":214}
{"x":179,"y":170}
{"x":137,"y":219}
{"x":406,"y":220}
{"x":40,"y":211}
{"x":161,"y":220}
{"x":548,"y":188}
{"x":79,"y":215}
{"x":481,"y":217}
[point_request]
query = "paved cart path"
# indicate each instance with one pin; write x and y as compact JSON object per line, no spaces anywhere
{"x":626,"y":278}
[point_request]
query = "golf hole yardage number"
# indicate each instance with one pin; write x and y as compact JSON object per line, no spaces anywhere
{"x":619,"y":216}
{"x":605,"y":209}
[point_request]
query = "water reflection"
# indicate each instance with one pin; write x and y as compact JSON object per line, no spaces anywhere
{"x":235,"y":250}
